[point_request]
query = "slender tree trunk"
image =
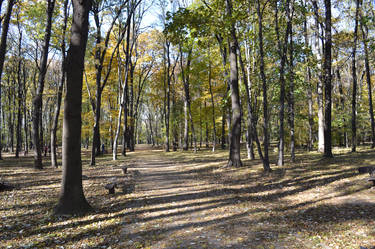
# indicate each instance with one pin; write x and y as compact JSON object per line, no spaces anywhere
{"x":309,"y":89}
{"x":223,"y":129}
{"x":250,"y":125}
{"x":38,"y":98}
{"x":327,"y":81}
{"x":213,"y":105}
{"x":354,"y":76}
{"x":368,"y":79}
{"x":291,"y":95}
{"x":59,"y":90}
{"x":282,"y":54}
{"x":72,"y":199}
{"x":3,"y":45}
{"x":25,"y":116}
{"x":19,"y":99}
{"x":266,"y":164}
{"x":168,"y":90}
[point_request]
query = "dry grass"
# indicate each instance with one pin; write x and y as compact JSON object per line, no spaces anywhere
{"x":187,"y":200}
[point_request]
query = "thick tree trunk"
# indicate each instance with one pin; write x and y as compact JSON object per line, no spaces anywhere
{"x":3,"y":45}
{"x":38,"y":98}
{"x":59,"y":90}
{"x":72,"y":199}
{"x":266,"y":164}
{"x":235,"y":145}
{"x":354,"y":77}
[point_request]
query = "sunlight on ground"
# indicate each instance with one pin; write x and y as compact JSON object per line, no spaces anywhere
{"x":191,"y":200}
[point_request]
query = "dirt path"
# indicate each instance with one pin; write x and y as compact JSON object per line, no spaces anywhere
{"x":173,"y":208}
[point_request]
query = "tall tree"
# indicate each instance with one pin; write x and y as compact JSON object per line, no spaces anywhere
{"x":100,"y":54}
{"x":282,"y":49}
{"x":327,"y":66}
{"x":3,"y":46}
{"x":19,"y":90}
{"x":364,"y":30}
{"x":354,"y":78}
{"x":266,"y":163}
{"x":38,"y":98}
{"x":235,"y":146}
{"x":59,"y":89}
{"x":72,"y":199}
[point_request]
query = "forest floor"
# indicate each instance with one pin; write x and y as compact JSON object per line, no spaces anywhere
{"x":190,"y":200}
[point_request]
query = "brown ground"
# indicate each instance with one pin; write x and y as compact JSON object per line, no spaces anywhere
{"x":187,"y":200}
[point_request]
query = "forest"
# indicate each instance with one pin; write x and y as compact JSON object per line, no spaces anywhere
{"x":187,"y":124}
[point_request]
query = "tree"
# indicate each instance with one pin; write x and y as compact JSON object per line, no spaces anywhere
{"x":364,"y":30}
{"x":72,"y":199}
{"x":266,"y":163}
{"x":60,"y":89}
{"x":328,"y":81}
{"x":235,"y":146}
{"x":38,"y":98}
{"x":354,"y":78}
{"x":3,"y":45}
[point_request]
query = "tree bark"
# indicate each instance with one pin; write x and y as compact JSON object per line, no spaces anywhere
{"x":266,"y":164}
{"x":235,"y":145}
{"x":19,"y":98}
{"x":72,"y":199}
{"x":282,"y":47}
{"x":291,"y":94}
{"x":309,"y":89}
{"x":38,"y":99}
{"x":59,"y":90}
{"x":327,"y":81}
{"x":213,"y":104}
{"x":354,"y":77}
{"x":3,"y":45}
{"x":368,"y":79}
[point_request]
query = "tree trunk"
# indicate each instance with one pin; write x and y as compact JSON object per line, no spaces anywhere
{"x":250,"y":125}
{"x":354,"y":76}
{"x":213,"y":105}
{"x":235,"y":145}
{"x":266,"y":164}
{"x":59,"y":90}
{"x":282,"y":47}
{"x":327,"y":81}
{"x":368,"y":79}
{"x":72,"y":199}
{"x":38,"y":99}
{"x":19,"y":98}
{"x":291,"y":94}
{"x":3,"y":45}
{"x":309,"y":89}
{"x":168,"y":90}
